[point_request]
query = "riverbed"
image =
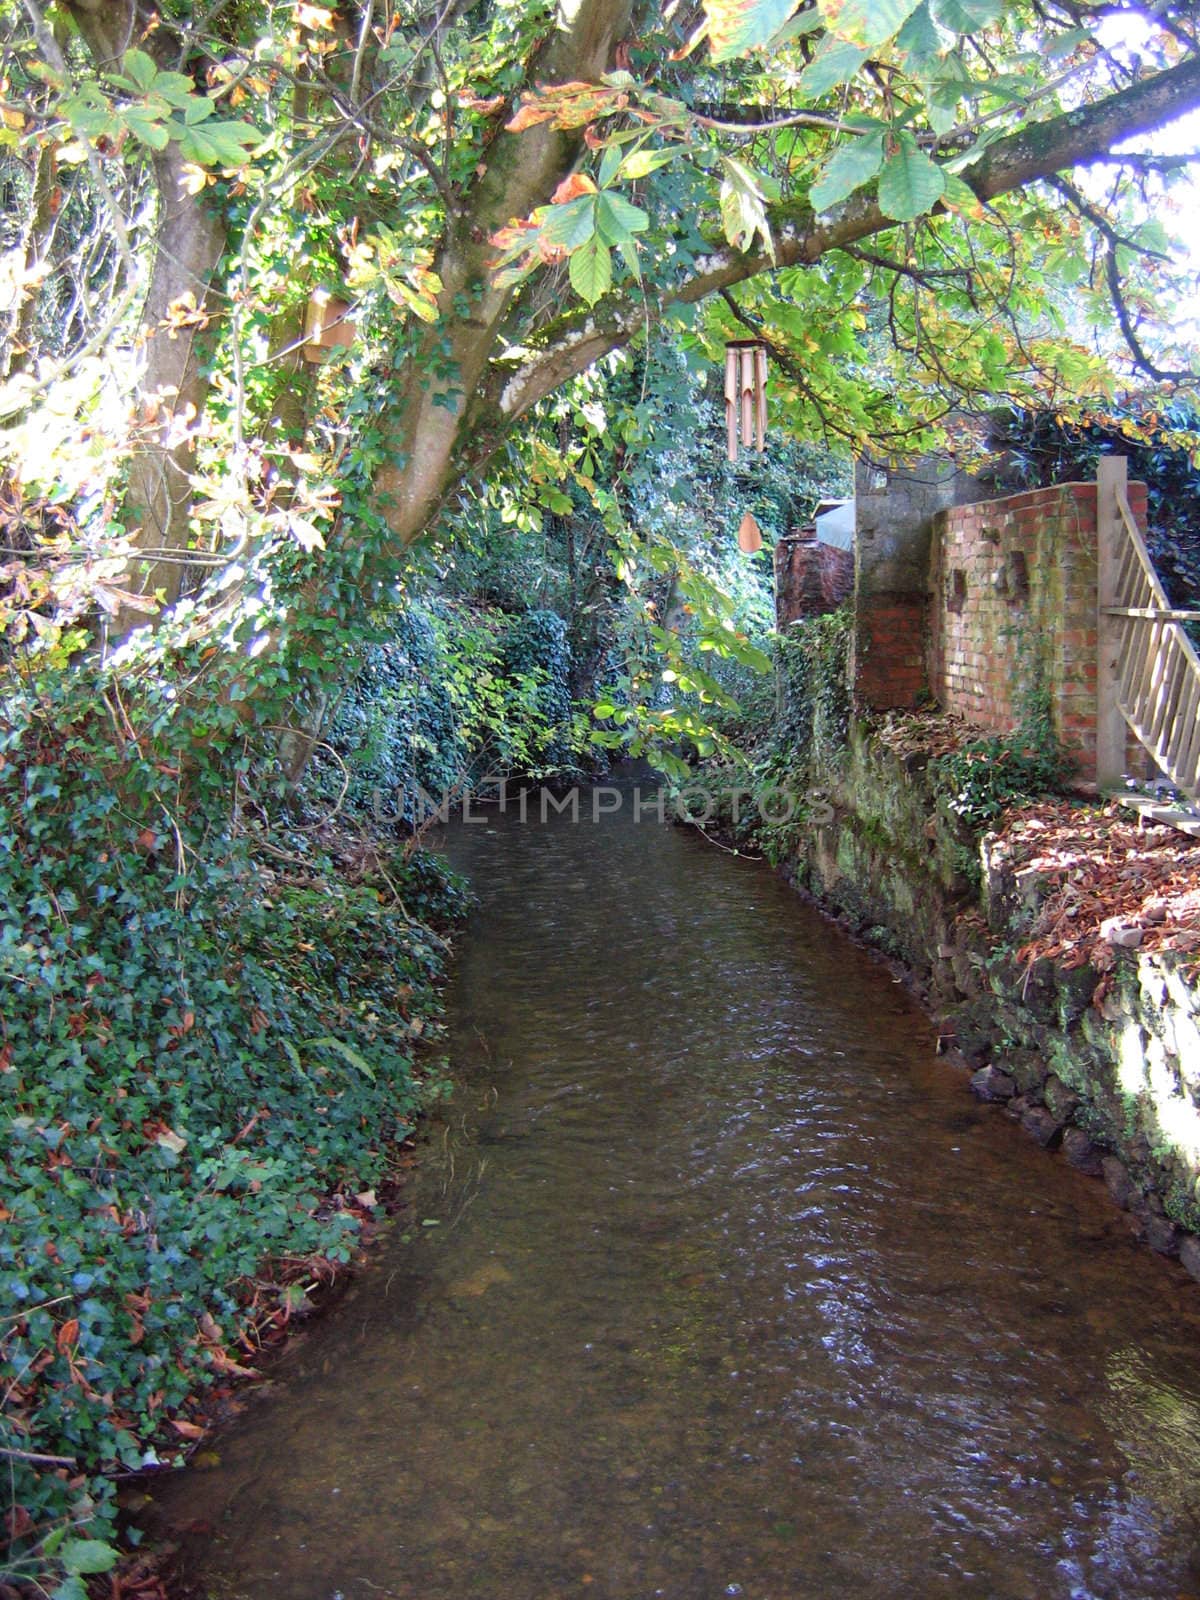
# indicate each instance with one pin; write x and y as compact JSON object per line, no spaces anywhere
{"x":715,"y":1282}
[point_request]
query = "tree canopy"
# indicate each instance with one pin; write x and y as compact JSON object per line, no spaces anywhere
{"x":917,"y":204}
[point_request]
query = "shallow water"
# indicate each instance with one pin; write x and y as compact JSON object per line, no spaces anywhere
{"x":733,"y":1291}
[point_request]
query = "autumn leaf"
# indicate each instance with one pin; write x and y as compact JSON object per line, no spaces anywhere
{"x":571,"y":188}
{"x":315,"y":17}
{"x":738,"y":26}
{"x":567,"y":106}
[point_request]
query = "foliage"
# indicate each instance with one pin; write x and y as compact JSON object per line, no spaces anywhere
{"x":984,"y":777}
{"x":809,"y":739}
{"x":1157,"y":434}
{"x":814,"y":664}
{"x":205,"y":1057}
{"x":200,"y":1035}
{"x":792,"y":736}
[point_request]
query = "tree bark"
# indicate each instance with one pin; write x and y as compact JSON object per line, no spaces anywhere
{"x":16,"y":347}
{"x":522,"y":172}
{"x":172,"y":389}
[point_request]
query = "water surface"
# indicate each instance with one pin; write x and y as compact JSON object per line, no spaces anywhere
{"x":733,"y":1291}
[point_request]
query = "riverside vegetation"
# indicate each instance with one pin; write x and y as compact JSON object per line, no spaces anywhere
{"x":248,"y":598}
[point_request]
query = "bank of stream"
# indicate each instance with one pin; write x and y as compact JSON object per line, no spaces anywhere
{"x":714,"y":1282}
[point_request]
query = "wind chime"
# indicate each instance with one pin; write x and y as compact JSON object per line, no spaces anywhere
{"x":746,"y":415}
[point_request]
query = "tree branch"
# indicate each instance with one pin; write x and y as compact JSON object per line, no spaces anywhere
{"x":1072,"y":139}
{"x":1129,"y":332}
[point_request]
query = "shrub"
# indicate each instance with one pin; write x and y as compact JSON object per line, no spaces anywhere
{"x":206,"y":1053}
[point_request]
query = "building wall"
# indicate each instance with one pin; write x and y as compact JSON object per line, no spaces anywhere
{"x":811,"y":578}
{"x":895,"y":508}
{"x":1013,"y":602}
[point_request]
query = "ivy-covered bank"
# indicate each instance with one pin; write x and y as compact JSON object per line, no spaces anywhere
{"x":220,"y":1021}
{"x":1055,"y":942}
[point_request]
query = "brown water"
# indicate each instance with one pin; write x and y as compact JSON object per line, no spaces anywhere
{"x":734,"y":1291}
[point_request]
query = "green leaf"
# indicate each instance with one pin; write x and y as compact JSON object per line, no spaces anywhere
{"x":959,"y":196}
{"x":146,"y":127}
{"x":736,"y":26}
{"x":920,"y":39}
{"x":571,"y":224}
{"x":911,"y":184}
{"x":80,"y":1556}
{"x":629,"y":252}
{"x":850,"y":166}
{"x":591,"y":270}
{"x":743,"y":212}
{"x":179,"y":90}
{"x":345,"y":1051}
{"x":1066,"y":42}
{"x":141,"y":68}
{"x":967,"y":16}
{"x":617,"y":220}
{"x":609,"y":163}
{"x":641,"y":163}
{"x":866,"y":22}
{"x":835,"y":63}
{"x":216,"y":144}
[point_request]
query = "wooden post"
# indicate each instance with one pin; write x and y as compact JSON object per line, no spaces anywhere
{"x":1112,"y":475}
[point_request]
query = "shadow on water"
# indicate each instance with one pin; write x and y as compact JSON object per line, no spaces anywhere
{"x":731,"y":1292}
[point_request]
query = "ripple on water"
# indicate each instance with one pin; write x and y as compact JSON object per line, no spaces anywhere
{"x":734,"y":1292}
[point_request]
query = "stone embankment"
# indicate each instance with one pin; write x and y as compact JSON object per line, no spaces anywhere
{"x":1061,"y":955}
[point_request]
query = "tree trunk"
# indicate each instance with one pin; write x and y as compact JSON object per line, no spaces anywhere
{"x":172,"y":389}
{"x":16,"y":348}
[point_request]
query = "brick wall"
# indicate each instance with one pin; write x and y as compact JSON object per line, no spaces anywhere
{"x":887,"y":664}
{"x":810,"y":578}
{"x":1014,"y":588}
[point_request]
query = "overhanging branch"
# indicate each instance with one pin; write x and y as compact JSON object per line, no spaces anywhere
{"x":1072,"y":139}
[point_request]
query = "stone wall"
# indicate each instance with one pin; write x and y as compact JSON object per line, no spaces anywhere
{"x":1013,"y":603}
{"x":811,"y":578}
{"x":1103,"y":1069}
{"x":895,"y":508}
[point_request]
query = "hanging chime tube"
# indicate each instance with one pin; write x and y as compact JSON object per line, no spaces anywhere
{"x":747,"y":388}
{"x":731,"y":389}
{"x":760,"y":387}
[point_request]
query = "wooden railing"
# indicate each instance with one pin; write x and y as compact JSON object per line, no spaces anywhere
{"x":1149,"y":672}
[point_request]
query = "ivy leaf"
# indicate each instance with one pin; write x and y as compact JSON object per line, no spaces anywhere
{"x":835,"y":63}
{"x":81,"y":1556}
{"x":967,"y":16}
{"x":911,"y":184}
{"x":591,"y":270}
{"x":736,"y":26}
{"x":850,"y":166}
{"x":866,"y":22}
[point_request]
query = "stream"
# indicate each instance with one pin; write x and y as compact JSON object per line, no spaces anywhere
{"x":716,"y":1282}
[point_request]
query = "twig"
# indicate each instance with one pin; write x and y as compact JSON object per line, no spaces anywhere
{"x":37,"y":1455}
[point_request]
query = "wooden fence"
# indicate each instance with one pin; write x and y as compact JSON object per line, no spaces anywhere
{"x":1148,"y":677}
